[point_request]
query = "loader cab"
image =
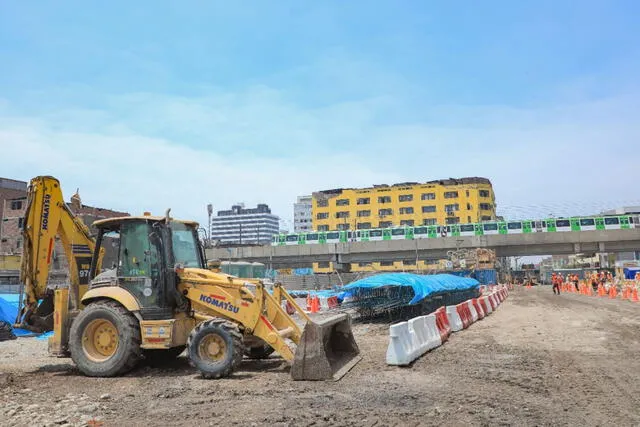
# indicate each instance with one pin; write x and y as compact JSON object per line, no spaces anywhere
{"x":141,"y":254}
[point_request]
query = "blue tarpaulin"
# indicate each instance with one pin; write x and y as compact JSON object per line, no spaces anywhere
{"x":9,"y":311}
{"x":423,"y":286}
{"x":630,"y":272}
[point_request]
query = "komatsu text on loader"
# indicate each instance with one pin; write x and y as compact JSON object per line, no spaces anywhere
{"x":156,"y":297}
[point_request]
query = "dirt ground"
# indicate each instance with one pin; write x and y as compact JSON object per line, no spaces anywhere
{"x":539,"y":359}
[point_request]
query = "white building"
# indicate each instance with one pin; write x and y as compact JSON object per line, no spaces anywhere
{"x":244,"y":226}
{"x":302,"y":214}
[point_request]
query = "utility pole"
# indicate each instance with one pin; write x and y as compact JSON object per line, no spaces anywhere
{"x":210,"y":212}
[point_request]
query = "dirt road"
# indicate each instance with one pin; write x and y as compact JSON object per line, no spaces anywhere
{"x":539,"y":359}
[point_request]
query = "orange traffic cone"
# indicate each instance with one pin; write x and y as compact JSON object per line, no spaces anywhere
{"x":315,"y":305}
{"x":634,"y":295}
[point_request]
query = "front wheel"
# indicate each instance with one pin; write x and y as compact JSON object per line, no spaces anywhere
{"x":215,"y":348}
{"x":105,"y":340}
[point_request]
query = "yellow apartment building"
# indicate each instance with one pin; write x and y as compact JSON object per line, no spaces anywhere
{"x":445,"y":201}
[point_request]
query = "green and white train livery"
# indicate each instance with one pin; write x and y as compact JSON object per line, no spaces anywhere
{"x":549,"y":225}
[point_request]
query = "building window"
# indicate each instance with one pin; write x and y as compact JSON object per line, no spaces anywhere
{"x":323,"y":264}
{"x":342,"y":214}
{"x":483,"y":193}
{"x":407,"y":222}
{"x":363,"y":225}
{"x":405,"y":197}
{"x":450,"y":194}
{"x":20,"y":223}
{"x":364,"y":201}
{"x":386,"y":263}
{"x":429,"y":221}
{"x":384,"y":199}
{"x":384,"y":224}
{"x":360,"y":214}
{"x":343,"y":227}
{"x":428,"y":209}
{"x":408,"y":210}
{"x":16,"y":205}
{"x":453,"y":220}
{"x":428,"y":196}
{"x":385,"y":212}
{"x":452,"y":208}
{"x":342,"y":202}
{"x":322,"y":215}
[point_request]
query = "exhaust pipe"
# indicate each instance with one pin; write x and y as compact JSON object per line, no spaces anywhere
{"x":327,"y":350}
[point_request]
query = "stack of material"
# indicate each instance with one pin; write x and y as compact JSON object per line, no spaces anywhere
{"x":404,"y":295}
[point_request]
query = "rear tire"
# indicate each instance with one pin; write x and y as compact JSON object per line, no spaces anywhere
{"x":215,"y":348}
{"x":105,"y":340}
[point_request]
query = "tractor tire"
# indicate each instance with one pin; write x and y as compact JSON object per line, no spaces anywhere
{"x":105,"y":340}
{"x":259,"y":352}
{"x":161,"y":358}
{"x":215,"y":348}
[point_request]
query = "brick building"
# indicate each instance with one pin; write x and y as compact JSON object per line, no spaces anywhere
{"x":13,"y":210}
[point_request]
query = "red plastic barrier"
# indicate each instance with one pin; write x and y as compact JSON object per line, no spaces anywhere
{"x":442,"y":322}
{"x":465,"y":314}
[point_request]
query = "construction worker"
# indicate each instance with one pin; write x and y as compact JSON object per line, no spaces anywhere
{"x":556,"y":280}
{"x":575,"y":279}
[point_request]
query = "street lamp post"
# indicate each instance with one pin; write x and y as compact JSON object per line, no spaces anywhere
{"x":210,"y":212}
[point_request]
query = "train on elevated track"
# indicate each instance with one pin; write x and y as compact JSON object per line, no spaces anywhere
{"x":549,"y":225}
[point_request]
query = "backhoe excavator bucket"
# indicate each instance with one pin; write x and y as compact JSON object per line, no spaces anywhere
{"x":327,"y":350}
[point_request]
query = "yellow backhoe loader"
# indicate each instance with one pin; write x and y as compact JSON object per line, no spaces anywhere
{"x":156,"y":298}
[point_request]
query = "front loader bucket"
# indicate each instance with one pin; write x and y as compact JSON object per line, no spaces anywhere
{"x":327,"y":350}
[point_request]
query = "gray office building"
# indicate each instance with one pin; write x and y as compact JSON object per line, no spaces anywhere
{"x":240,"y":225}
{"x":302,"y":214}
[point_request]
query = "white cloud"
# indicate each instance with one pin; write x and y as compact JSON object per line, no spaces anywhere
{"x":150,"y":151}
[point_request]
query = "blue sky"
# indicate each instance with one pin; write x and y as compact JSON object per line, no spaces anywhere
{"x":145,"y":105}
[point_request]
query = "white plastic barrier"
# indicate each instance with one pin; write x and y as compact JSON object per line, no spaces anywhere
{"x":410,"y":340}
{"x":454,"y":318}
{"x":472,"y":309}
{"x":400,"y":351}
{"x":487,"y":304}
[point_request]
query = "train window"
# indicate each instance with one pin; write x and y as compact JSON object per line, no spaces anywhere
{"x":420,"y":230}
{"x":312,"y":236}
{"x":397,"y":232}
{"x":375,"y":233}
{"x":611,"y":221}
{"x":333,"y":235}
{"x":563,"y":223}
{"x":514,"y":225}
{"x":490,"y":227}
{"x":587,"y":221}
{"x":292,"y":238}
{"x":466,"y":227}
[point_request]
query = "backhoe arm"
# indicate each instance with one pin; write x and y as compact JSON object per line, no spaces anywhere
{"x":48,"y":216}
